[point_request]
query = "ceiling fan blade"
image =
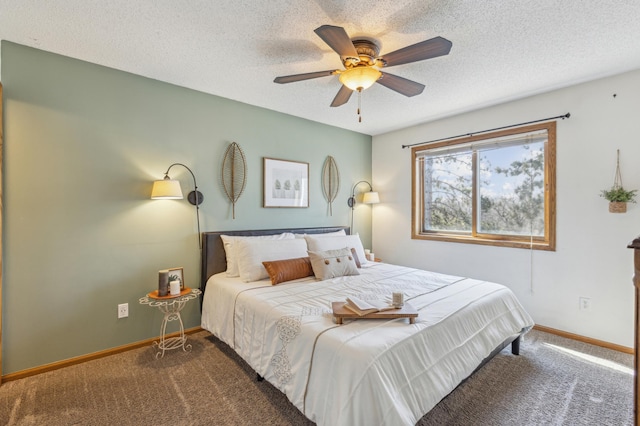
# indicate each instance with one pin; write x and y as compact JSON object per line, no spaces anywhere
{"x":338,"y":39}
{"x":299,"y":77}
{"x":427,"y":49}
{"x":400,"y":84}
{"x":342,"y":97}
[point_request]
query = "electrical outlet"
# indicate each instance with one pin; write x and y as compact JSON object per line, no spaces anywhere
{"x":584,"y":303}
{"x":123,"y":310}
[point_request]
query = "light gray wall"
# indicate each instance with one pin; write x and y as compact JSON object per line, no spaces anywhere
{"x":591,"y":259}
{"x":83,"y":144}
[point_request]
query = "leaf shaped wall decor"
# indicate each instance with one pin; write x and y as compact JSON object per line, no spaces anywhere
{"x":330,"y":181}
{"x":234,"y":173}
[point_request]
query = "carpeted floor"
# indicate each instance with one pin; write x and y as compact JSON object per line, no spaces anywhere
{"x":555,"y":381}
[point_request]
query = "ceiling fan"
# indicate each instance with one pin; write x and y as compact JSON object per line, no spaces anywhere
{"x":361,"y":62}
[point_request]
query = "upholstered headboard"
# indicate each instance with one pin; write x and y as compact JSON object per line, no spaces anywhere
{"x":213,"y":256}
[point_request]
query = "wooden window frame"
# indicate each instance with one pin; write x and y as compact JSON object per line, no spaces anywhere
{"x":547,"y":242}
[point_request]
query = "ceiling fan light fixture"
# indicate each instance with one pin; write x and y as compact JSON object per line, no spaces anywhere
{"x":359,"y":78}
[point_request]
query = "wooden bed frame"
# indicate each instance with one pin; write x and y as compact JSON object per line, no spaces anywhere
{"x":214,"y":261}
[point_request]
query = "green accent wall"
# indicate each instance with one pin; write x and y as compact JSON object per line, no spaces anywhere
{"x":83,"y":144}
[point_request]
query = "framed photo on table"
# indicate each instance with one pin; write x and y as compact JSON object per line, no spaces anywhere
{"x":286,"y":183}
{"x":177,"y":274}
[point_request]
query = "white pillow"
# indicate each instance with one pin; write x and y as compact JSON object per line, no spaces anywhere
{"x":252,"y":252}
{"x":229,"y":243}
{"x":325,"y":234}
{"x":335,"y":243}
{"x":333,"y":263}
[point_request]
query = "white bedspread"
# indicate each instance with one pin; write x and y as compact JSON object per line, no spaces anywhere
{"x":365,"y":372}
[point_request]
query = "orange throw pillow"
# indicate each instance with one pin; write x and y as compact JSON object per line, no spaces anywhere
{"x":289,"y":269}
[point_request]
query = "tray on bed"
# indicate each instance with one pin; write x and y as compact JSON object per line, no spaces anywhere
{"x":407,"y":311}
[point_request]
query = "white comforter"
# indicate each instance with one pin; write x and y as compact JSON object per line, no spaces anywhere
{"x":365,"y":372}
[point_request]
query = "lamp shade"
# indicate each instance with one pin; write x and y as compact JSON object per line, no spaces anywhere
{"x":359,"y":77}
{"x":166,"y":189}
{"x":370,"y":197}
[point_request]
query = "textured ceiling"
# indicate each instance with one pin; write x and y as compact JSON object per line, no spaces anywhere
{"x":502,"y":50}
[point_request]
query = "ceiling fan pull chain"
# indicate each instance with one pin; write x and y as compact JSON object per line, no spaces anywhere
{"x":359,"y":103}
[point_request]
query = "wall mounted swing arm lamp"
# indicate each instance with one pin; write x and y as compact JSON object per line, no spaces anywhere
{"x":370,"y":197}
{"x":169,"y":189}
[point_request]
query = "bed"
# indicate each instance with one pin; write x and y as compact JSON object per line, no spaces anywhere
{"x":366,"y":371}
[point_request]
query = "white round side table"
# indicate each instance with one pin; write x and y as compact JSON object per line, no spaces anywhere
{"x":170,"y":306}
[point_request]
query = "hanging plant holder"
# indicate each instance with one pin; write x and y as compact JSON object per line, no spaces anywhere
{"x":617,"y":207}
{"x":617,"y":196}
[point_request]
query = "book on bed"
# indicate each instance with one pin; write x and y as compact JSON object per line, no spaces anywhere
{"x":362,"y":307}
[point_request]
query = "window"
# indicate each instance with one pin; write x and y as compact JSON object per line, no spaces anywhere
{"x":497,"y":188}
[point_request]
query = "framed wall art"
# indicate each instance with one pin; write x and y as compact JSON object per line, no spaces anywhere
{"x":286,"y":183}
{"x":177,"y":274}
